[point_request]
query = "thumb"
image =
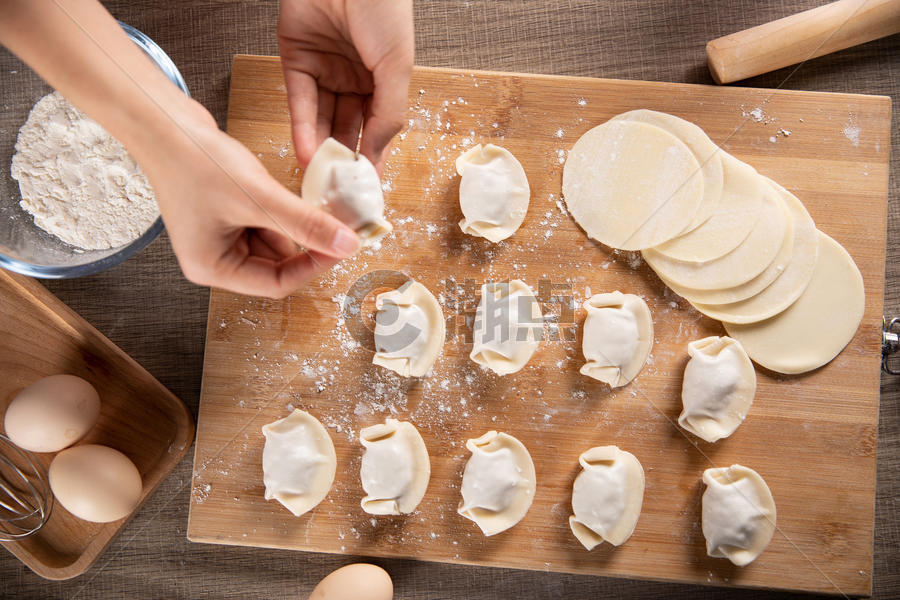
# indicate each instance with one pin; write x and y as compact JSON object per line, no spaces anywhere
{"x":305,"y":224}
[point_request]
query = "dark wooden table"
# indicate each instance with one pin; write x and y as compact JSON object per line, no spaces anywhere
{"x":147,"y":307}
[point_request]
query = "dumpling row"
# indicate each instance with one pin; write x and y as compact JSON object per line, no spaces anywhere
{"x":499,"y":484}
{"x":508,"y":328}
{"x":299,"y":464}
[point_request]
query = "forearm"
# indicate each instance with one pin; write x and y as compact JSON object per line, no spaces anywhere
{"x":80,"y":50}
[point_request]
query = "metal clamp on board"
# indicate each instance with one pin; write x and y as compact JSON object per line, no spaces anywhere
{"x":890,"y":343}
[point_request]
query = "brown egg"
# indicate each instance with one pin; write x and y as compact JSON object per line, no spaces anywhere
{"x":95,"y":483}
{"x":52,"y":413}
{"x":359,"y":581}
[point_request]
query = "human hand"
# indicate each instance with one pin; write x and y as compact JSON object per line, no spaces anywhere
{"x":346,"y":62}
{"x":231,"y":224}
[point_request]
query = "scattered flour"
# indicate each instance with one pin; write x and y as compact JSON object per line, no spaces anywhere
{"x":757,"y":115}
{"x":851,"y":130}
{"x":77,"y":181}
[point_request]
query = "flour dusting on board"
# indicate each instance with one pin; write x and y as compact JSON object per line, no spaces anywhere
{"x":329,"y":372}
{"x":852,"y":130}
{"x":757,"y":114}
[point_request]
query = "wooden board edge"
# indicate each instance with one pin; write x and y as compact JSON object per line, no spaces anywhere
{"x":195,"y":464}
{"x":830,"y":591}
{"x":237,"y":58}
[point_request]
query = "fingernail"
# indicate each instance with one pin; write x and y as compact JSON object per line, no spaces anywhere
{"x":345,"y":242}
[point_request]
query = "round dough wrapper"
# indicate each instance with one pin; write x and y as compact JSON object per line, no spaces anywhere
{"x":298,"y":462}
{"x":508,"y":326}
{"x":498,"y":483}
{"x":493,"y":192}
{"x":618,"y":336}
{"x":737,"y":514}
{"x":742,"y":264}
{"x":815,"y":328}
{"x":705,"y":151}
{"x":606,"y":497}
{"x":718,"y":388}
{"x":409,"y":330}
{"x":735,"y":216}
{"x":348,"y":187}
{"x":804,"y":246}
{"x":395,"y":468}
{"x":631,"y":185}
{"x":788,"y":286}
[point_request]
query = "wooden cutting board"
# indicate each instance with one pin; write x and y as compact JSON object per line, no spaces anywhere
{"x":812,"y":437}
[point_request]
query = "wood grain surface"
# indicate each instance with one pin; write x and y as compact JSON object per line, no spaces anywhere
{"x":812,"y":437}
{"x":138,"y":416}
{"x":148,"y":309}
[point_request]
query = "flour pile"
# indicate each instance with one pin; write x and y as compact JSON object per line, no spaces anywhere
{"x":78,"y":182}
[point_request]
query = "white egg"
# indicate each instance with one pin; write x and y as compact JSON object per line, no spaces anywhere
{"x":359,"y":581}
{"x":95,"y":483}
{"x":52,"y":414}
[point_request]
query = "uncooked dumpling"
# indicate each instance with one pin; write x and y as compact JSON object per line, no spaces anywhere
{"x":395,"y":468}
{"x":815,"y":328}
{"x":738,"y":514}
{"x":493,"y":192}
{"x":631,"y":185}
{"x":347,"y":185}
{"x":498,"y":483}
{"x":409,"y":330}
{"x":298,"y":462}
{"x":607,"y":496}
{"x":618,"y":336}
{"x":508,"y":326}
{"x":718,"y":388}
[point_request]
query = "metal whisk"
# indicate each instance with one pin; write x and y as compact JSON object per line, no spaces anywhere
{"x":25,"y":496}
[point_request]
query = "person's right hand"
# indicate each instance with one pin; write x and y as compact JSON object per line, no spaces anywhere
{"x":346,"y":63}
{"x":232,"y":225}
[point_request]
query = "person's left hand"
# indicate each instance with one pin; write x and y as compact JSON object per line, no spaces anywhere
{"x":346,"y":63}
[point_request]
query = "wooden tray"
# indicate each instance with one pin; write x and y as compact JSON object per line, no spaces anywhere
{"x":812,"y":437}
{"x":139,"y":417}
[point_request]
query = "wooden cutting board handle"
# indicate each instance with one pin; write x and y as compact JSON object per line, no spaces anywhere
{"x":800,"y":37}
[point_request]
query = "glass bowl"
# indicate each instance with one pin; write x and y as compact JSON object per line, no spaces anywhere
{"x":24,"y":247}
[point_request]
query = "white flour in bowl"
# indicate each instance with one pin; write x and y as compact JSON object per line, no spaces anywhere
{"x":78,"y":182}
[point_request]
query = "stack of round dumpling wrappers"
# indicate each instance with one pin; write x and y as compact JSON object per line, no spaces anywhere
{"x":738,"y":246}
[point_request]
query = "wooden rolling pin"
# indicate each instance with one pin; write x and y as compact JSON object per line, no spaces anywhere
{"x":801,"y":37}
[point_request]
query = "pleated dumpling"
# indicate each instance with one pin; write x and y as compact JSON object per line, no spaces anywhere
{"x":607,"y":496}
{"x":409,"y":330}
{"x":618,"y":336}
{"x":395,"y":468}
{"x":298,"y":462}
{"x":718,"y":388}
{"x":493,"y":192}
{"x":508,"y":326}
{"x":738,"y":514}
{"x":347,"y":186}
{"x":498,"y":483}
